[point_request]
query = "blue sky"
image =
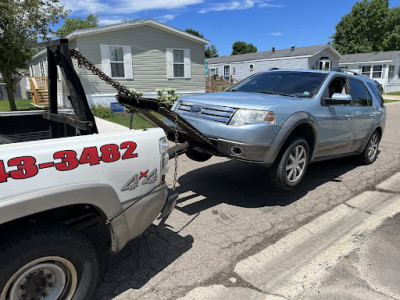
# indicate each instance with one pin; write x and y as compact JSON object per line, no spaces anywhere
{"x":265,"y":23}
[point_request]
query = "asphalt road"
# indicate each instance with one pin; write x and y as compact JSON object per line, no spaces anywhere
{"x":227,"y":211}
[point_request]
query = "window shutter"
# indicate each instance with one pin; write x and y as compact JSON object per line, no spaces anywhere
{"x":187,"y":62}
{"x":128,"y":62}
{"x":105,"y":59}
{"x":170,"y":63}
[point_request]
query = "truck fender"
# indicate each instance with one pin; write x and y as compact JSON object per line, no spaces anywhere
{"x":101,"y":196}
{"x":286,"y":130}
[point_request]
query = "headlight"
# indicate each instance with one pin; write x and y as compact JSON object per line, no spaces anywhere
{"x":243,"y":116}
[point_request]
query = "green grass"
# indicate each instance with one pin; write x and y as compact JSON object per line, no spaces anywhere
{"x":22,"y":104}
{"x":124,"y":120}
{"x":388,"y":101}
{"x":394,"y":93}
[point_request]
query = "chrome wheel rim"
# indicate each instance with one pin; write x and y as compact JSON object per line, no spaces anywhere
{"x":45,"y":278}
{"x":296,"y":163}
{"x":373,"y":146}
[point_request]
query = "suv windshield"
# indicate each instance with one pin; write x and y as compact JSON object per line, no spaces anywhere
{"x":285,"y":83}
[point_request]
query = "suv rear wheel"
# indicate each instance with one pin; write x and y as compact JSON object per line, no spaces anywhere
{"x":289,"y":168}
{"x":48,"y":263}
{"x":371,"y":150}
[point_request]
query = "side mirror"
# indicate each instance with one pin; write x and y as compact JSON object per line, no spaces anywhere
{"x":338,"y":99}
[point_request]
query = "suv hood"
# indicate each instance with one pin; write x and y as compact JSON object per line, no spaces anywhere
{"x":239,"y":99}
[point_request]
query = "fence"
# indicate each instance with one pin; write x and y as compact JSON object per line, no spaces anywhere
{"x":218,"y":84}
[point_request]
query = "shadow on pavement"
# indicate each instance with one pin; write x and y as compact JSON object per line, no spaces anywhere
{"x":139,"y":261}
{"x":247,"y":185}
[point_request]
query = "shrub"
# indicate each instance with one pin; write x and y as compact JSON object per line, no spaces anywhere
{"x":101,"y":111}
{"x":169,"y":98}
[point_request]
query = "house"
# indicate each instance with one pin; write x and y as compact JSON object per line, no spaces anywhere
{"x":143,"y":54}
{"x":21,"y":88}
{"x":384,"y":67}
{"x":323,"y":57}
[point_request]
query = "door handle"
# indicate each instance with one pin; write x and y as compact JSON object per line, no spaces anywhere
{"x":349,"y":117}
{"x":375,"y":114}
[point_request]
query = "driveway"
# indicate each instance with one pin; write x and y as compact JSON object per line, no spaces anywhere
{"x":228,"y":211}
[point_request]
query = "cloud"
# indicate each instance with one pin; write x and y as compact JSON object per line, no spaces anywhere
{"x":166,"y":18}
{"x":275,"y":34}
{"x":237,"y":5}
{"x":125,"y":6}
{"x":110,"y":21}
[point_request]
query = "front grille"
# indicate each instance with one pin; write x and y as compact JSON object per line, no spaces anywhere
{"x":221,"y":114}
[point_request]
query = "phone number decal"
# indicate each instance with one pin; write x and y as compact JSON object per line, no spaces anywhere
{"x":67,"y":160}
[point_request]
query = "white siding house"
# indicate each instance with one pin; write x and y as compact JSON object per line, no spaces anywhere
{"x":142,"y":54}
{"x":323,"y":57}
{"x":383,"y":67}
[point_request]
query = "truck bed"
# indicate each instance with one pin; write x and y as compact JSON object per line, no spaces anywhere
{"x":26,"y":126}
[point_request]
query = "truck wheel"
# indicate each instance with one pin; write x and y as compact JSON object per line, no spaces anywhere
{"x":290,"y":167}
{"x":371,"y":150}
{"x":197,"y":156}
{"x":48,"y":263}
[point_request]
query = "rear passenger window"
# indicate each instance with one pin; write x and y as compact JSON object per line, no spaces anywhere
{"x":359,"y":93}
{"x":376,"y":92}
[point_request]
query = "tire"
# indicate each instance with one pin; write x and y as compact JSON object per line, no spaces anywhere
{"x":197,"y":156}
{"x":48,"y":263}
{"x":368,"y":156}
{"x":291,"y":165}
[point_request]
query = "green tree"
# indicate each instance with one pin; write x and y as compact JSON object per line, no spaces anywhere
{"x":370,"y":26}
{"x":240,"y":47}
{"x":194,"y":32}
{"x":72,"y":24}
{"x":23,"y":23}
{"x":211,"y":51}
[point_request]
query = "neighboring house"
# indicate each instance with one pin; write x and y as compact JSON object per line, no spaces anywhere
{"x":20,"y":89}
{"x":143,"y":54}
{"x":322,"y":57}
{"x":384,"y":67}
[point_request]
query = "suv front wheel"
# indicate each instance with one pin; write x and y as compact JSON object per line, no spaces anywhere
{"x":290,"y":167}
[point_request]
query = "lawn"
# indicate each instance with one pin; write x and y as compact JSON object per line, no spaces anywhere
{"x":22,"y":104}
{"x":388,"y":101}
{"x":394,"y":93}
{"x":137,"y":123}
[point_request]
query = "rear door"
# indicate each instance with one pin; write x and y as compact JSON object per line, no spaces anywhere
{"x":364,"y":110}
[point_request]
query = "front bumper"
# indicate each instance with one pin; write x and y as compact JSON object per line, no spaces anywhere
{"x":247,"y":152}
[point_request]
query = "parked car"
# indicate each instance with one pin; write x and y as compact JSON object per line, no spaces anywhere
{"x":285,"y":119}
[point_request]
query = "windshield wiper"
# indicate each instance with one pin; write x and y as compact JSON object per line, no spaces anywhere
{"x":275,"y":93}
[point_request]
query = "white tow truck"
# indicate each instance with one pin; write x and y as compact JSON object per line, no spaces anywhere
{"x":59,"y":177}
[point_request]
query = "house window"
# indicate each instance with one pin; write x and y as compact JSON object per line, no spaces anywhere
{"x":116,"y":61}
{"x":366,"y":71}
{"x":213,"y":71}
{"x":324,"y":64}
{"x":42,"y":69}
{"x":227,"y":70}
{"x":32,"y":72}
{"x":391,"y":71}
{"x":377,"y":71}
{"x":178,"y":63}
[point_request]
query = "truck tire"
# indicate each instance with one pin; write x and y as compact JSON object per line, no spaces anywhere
{"x":290,"y":166}
{"x":197,"y":156}
{"x":368,"y":156}
{"x":48,"y":263}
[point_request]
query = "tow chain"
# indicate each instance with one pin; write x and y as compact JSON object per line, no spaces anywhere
{"x":124,"y":90}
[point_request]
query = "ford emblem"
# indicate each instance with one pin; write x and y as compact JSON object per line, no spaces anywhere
{"x":196,"y":109}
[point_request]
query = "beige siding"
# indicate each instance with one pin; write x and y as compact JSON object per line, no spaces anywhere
{"x":148,"y":46}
